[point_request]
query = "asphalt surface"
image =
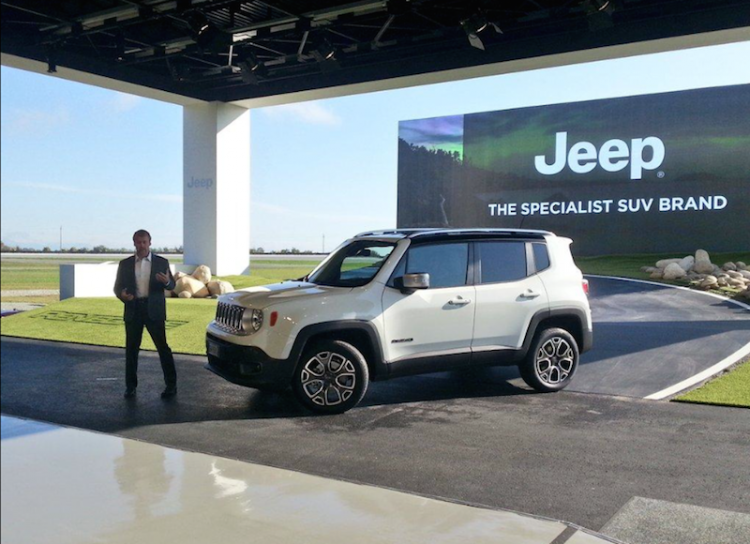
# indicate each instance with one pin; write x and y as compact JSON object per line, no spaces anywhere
{"x":478,"y":436}
{"x":649,"y":337}
{"x":470,"y":437}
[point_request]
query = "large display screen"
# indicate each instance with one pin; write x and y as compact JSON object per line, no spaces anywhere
{"x":644,"y":174}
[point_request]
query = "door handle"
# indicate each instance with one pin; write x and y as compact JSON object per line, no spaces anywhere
{"x":530,"y":294}
{"x":459,"y":301}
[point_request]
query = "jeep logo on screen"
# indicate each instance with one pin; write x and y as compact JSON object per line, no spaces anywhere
{"x":613,"y":156}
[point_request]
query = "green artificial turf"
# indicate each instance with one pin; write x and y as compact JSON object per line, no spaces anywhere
{"x":98,"y":321}
{"x":731,"y":389}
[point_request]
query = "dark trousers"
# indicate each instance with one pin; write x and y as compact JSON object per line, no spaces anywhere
{"x":134,"y":335}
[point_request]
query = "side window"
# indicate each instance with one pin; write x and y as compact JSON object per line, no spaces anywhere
{"x":445,"y":263}
{"x":502,"y":261}
{"x":541,"y":257}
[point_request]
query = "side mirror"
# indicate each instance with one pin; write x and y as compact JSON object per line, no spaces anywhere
{"x":416,"y":281}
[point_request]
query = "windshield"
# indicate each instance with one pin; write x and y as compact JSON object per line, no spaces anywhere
{"x":353,"y":265}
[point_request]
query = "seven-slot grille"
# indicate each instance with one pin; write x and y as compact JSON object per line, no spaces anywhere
{"x":229,"y":317}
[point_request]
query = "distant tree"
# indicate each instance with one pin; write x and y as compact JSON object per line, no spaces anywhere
{"x":46,"y":249}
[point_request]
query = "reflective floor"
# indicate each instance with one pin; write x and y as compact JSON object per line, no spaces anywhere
{"x":62,"y":485}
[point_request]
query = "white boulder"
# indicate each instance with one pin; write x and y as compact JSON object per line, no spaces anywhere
{"x":189,"y":284}
{"x":687,"y":263}
{"x":674,"y":271}
{"x":703,"y":263}
{"x":219,"y":287}
{"x":202,"y":274}
{"x":666,"y":262}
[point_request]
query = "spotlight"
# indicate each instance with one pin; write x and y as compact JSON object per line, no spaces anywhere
{"x":178,"y":71}
{"x":475,"y":24}
{"x":326,"y":50}
{"x":251,"y":68}
{"x":120,"y":46}
{"x":206,"y":34}
{"x":51,"y":59}
{"x":599,"y":13}
{"x":199,"y":23}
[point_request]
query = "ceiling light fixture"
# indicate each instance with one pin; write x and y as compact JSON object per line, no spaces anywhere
{"x":599,"y":14}
{"x":475,"y":24}
{"x":120,"y":46}
{"x":250,"y":68}
{"x":51,"y":59}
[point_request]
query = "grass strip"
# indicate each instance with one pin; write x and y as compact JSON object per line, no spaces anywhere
{"x":98,"y":321}
{"x":730,"y":389}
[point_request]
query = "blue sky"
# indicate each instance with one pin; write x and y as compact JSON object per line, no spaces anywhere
{"x":102,"y":164}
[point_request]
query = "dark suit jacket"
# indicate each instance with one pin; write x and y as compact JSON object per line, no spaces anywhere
{"x":157,"y":306}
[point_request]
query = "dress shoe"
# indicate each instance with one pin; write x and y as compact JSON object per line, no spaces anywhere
{"x":169,"y":392}
{"x":129,"y":393}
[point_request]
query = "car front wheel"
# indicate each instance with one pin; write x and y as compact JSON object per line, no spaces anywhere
{"x":551,"y":361}
{"x":331,"y":377}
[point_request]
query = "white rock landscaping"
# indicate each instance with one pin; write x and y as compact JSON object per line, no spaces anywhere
{"x":699,"y":272}
{"x":199,"y":284}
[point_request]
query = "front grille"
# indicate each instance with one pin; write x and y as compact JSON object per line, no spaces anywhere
{"x":229,"y":317}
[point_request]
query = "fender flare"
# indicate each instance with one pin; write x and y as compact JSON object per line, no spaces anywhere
{"x":377,"y":364}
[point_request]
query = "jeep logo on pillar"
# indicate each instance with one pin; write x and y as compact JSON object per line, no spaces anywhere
{"x":613,"y":156}
{"x":198,"y":183}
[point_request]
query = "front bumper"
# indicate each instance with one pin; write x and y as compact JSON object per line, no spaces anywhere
{"x":246,"y":365}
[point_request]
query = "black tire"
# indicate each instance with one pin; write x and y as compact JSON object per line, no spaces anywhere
{"x":331,"y":377}
{"x":551,"y":361}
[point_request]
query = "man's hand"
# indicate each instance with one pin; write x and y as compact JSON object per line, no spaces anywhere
{"x":162,"y":277}
{"x":127,"y":297}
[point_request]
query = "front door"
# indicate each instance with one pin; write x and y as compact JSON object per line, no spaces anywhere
{"x":432,"y":322}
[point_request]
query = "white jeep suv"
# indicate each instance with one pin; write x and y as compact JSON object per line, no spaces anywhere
{"x":398,"y":302}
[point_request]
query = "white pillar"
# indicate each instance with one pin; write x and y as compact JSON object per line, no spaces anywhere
{"x":216,"y":171}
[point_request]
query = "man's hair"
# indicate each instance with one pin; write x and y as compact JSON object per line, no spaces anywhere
{"x":141,"y":232}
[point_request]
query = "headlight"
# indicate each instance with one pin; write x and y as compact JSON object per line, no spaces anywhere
{"x":252,"y":320}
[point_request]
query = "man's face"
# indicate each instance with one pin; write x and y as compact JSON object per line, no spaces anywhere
{"x":142,"y":245}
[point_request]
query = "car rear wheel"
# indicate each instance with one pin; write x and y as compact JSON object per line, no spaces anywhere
{"x":331,"y":377}
{"x":551,"y":362}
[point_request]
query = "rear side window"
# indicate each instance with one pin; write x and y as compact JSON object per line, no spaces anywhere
{"x":445,"y":263}
{"x":541,"y":257}
{"x":502,"y":261}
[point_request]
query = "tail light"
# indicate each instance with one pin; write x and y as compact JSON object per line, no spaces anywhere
{"x":585,"y":284}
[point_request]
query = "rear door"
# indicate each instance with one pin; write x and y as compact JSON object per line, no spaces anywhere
{"x":508,"y":294}
{"x":435,"y":321}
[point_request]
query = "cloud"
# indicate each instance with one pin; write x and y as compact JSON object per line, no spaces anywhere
{"x":37,"y":121}
{"x":312,"y":113}
{"x":108,"y":194}
{"x":123,"y":102}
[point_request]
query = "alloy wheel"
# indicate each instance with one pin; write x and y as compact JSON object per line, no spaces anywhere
{"x":554,"y":361}
{"x":328,"y":378}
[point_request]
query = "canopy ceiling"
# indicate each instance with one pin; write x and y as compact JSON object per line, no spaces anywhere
{"x":236,"y":50}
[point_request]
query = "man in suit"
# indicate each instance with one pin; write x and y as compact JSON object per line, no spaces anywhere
{"x":141,"y":281}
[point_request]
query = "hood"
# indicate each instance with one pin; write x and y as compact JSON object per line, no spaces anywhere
{"x":266,"y":295}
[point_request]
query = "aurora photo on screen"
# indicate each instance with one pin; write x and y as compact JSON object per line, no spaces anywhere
{"x":643,"y":174}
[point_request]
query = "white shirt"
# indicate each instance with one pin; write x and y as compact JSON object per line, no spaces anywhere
{"x":142,"y":275}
